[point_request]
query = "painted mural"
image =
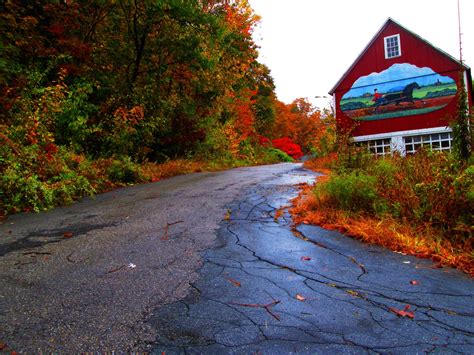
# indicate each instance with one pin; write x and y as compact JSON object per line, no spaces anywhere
{"x":401,"y":90}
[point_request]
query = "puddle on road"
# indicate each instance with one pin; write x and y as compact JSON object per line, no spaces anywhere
{"x":295,"y":177}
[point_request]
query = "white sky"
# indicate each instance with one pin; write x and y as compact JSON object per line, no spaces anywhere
{"x":309,"y":44}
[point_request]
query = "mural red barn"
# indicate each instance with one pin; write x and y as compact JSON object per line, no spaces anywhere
{"x":400,"y":93}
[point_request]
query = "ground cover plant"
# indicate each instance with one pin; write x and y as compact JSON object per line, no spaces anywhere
{"x":419,"y":205}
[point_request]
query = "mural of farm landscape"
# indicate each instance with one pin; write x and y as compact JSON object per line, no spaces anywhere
{"x":401,"y":90}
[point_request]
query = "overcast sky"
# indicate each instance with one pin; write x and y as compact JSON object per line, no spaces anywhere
{"x":309,"y":44}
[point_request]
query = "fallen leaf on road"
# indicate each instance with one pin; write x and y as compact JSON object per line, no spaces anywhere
{"x":168,"y":225}
{"x":115,"y":269}
{"x":414,"y":282}
{"x":227,"y":215}
{"x":278,"y":214}
{"x":264,"y":306}
{"x":353,"y":293}
{"x":305,"y":258}
{"x":234,"y":282}
{"x":68,"y":235}
{"x":403,"y":313}
{"x":300,"y":298}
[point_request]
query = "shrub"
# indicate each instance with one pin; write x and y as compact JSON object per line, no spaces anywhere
{"x":123,"y":170}
{"x":288,"y":146}
{"x":277,"y":155}
{"x":355,"y":192}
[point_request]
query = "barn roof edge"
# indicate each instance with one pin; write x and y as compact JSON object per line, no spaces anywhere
{"x":390,"y":20}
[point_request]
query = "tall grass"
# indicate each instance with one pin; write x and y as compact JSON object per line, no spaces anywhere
{"x":422,"y":204}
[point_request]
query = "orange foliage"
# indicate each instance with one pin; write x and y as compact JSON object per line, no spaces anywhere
{"x":422,"y":241}
{"x":240,"y":16}
{"x":321,"y":164}
{"x":241,"y":106}
{"x":299,"y":121}
{"x":131,"y":117}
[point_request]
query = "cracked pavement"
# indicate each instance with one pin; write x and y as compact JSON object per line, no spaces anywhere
{"x":219,"y":269}
{"x":274,"y":289}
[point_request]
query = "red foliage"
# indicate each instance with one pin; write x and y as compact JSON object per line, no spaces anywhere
{"x":242,"y":106}
{"x":288,"y":146}
{"x":263,"y":141}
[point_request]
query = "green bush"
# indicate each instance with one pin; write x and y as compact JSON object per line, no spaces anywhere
{"x":125,"y":171}
{"x":277,"y":155}
{"x":354,"y":191}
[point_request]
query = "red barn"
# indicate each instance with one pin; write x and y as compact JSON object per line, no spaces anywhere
{"x":400,"y":93}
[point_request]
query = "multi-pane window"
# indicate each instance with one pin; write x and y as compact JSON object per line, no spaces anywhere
{"x":438,"y":141}
{"x":392,"y":47}
{"x":377,"y":146}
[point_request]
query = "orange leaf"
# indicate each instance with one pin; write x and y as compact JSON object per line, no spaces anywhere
{"x":234,"y":282}
{"x":227,"y":215}
{"x":300,"y":298}
{"x":305,"y":258}
{"x":68,"y":235}
{"x":404,"y":313}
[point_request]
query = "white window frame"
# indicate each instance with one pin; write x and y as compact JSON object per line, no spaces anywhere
{"x":378,"y":147}
{"x":397,"y":36}
{"x":398,"y":137}
{"x":435,"y":141}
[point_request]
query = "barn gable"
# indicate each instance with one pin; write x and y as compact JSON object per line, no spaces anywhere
{"x":400,"y":89}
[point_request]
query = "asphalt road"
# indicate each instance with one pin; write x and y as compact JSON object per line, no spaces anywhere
{"x":203,"y":264}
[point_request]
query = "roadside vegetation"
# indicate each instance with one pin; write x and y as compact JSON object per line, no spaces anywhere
{"x":95,"y":95}
{"x":420,"y":205}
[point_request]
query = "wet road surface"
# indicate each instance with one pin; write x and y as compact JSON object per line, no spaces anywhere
{"x":204,"y":264}
{"x":272,"y":290}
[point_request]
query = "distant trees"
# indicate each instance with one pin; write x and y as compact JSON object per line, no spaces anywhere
{"x":89,"y":90}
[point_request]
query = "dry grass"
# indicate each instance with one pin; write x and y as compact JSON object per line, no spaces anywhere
{"x":170,"y":168}
{"x":322,"y":164}
{"x":421,"y":241}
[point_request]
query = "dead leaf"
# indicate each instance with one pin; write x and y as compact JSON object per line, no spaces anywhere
{"x":352,"y":293}
{"x":227,"y":215}
{"x":300,"y":298}
{"x":414,"y":282}
{"x":403,"y":313}
{"x":168,"y":225}
{"x":305,"y":258}
{"x":68,"y":235}
{"x":264,"y":306}
{"x":234,"y":282}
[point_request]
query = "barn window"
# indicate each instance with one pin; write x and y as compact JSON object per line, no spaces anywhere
{"x":436,"y":142}
{"x":392,"y":47}
{"x":377,"y":146}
